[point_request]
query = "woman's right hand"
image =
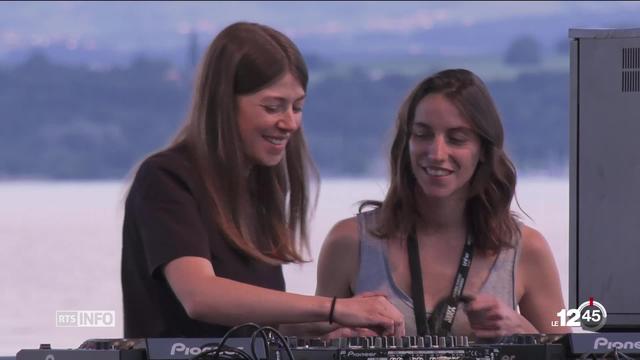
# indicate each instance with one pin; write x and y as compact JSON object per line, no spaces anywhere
{"x":372,"y":311}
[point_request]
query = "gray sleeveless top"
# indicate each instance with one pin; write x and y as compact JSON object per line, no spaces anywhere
{"x":375,"y":275}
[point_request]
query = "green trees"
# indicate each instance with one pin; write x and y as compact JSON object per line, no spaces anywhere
{"x":523,"y":50}
{"x":70,"y":122}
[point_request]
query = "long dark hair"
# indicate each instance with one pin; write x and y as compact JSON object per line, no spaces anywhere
{"x":492,"y":187}
{"x":243,"y":59}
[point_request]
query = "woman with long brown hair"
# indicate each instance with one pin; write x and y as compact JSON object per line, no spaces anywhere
{"x":210,"y":219}
{"x":444,"y":238}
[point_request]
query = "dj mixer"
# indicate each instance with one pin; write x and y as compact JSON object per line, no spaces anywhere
{"x":516,"y":347}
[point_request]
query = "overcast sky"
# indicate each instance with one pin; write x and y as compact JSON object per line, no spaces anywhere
{"x":128,"y":25}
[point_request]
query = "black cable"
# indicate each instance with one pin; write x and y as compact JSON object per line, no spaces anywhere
{"x":280,"y":337}
{"x":616,"y":355}
{"x":266,"y":343}
{"x":284,"y":343}
{"x":221,"y":350}
{"x":216,"y":351}
{"x":627,"y":357}
{"x":224,"y":353}
{"x":587,"y":356}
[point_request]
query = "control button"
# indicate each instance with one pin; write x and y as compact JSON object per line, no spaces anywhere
{"x":435,"y":341}
{"x":530,"y":339}
{"x":355,"y":342}
{"x":292,"y":341}
{"x":405,"y":342}
{"x":390,"y":341}
{"x":427,"y":341}
{"x":316,"y":342}
{"x":336,"y":342}
{"x":449,"y":341}
{"x":442,"y":341}
{"x":301,"y":343}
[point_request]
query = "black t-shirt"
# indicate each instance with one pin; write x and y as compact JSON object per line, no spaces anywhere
{"x":166,"y":217}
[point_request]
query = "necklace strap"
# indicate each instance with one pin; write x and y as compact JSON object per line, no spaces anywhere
{"x":446,"y":315}
{"x":417,"y":292}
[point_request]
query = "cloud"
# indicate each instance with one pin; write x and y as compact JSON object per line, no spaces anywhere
{"x":331,"y":27}
{"x":424,"y":19}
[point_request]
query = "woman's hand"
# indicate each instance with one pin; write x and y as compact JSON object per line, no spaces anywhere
{"x":371,"y":311}
{"x":346,"y":332}
{"x":489,"y":317}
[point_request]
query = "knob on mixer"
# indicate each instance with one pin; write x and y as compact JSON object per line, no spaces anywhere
{"x":356,"y":342}
{"x":378,"y":343}
{"x":390,"y":341}
{"x":404,"y":342}
{"x":316,"y":342}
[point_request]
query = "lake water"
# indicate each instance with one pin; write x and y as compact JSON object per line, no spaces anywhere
{"x":61,"y":245}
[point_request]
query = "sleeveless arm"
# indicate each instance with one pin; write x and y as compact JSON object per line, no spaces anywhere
{"x":542,"y":298}
{"x":339,"y":260}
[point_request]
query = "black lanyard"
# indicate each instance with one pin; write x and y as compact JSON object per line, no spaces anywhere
{"x":417,"y":292}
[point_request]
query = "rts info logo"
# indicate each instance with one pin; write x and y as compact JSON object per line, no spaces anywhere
{"x":86,"y":318}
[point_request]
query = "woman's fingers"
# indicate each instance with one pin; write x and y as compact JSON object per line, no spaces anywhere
{"x":372,"y":311}
{"x":490,"y":317}
{"x":345,"y":332}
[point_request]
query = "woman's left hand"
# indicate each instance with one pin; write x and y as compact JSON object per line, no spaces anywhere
{"x":489,"y":318}
{"x":345,"y":332}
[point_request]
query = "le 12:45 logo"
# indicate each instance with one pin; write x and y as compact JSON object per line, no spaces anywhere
{"x":590,"y":315}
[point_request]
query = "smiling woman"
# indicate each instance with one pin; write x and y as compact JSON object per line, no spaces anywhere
{"x":444,"y":149}
{"x":267,"y":119}
{"x":210,"y":219}
{"x":445,"y":235}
